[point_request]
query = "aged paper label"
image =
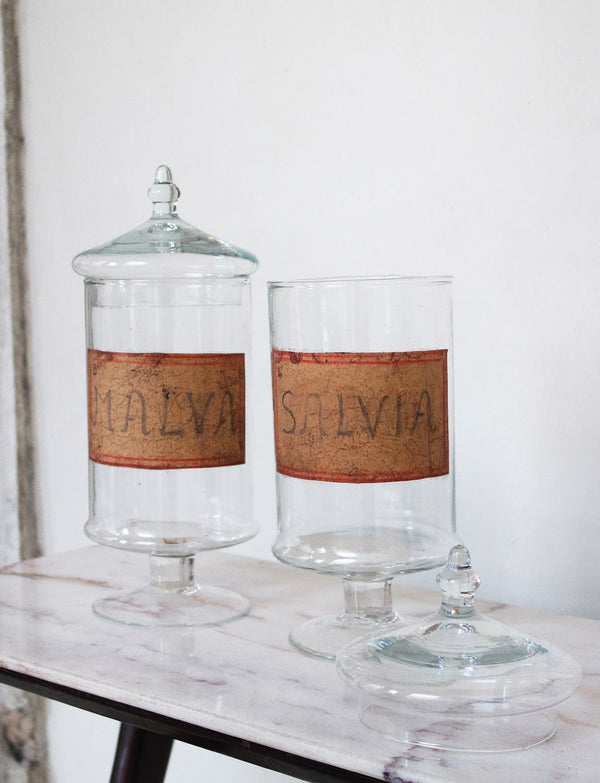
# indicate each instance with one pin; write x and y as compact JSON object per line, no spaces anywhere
{"x":361,"y":417}
{"x":156,"y":410}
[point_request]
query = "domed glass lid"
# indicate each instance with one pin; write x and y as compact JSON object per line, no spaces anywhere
{"x":165,"y":246}
{"x":457,"y":662}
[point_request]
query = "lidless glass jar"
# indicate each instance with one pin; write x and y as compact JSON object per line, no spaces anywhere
{"x":364,"y":431}
{"x":168,"y":314}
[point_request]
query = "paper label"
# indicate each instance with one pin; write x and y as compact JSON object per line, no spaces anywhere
{"x":156,"y":410}
{"x":361,"y":417}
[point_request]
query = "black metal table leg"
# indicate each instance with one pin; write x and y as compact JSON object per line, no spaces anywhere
{"x":141,"y":756}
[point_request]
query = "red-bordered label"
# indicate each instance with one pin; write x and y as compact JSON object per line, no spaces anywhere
{"x":160,"y":411}
{"x":361,"y":417}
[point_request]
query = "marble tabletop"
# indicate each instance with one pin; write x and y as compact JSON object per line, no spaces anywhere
{"x":243,"y":679}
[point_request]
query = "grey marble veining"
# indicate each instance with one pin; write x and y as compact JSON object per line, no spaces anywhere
{"x":243,"y":678}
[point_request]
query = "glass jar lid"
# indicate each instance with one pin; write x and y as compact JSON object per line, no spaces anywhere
{"x":458,"y":679}
{"x":165,"y":246}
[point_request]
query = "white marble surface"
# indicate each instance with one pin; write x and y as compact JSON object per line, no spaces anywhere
{"x":243,"y":678}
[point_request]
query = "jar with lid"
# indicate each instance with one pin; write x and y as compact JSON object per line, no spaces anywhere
{"x":168,"y":324}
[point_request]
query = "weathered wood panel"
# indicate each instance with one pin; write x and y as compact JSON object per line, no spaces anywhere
{"x":22,"y":717}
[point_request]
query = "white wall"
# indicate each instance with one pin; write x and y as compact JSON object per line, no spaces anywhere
{"x":342,"y":137}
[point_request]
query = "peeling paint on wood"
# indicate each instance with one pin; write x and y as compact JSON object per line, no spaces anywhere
{"x":22,"y":716}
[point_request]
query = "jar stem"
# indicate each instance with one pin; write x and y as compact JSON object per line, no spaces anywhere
{"x":172,"y":574}
{"x":369,"y":601}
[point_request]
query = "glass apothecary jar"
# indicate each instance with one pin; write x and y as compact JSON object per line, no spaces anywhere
{"x":364,"y":439}
{"x":168,"y":325}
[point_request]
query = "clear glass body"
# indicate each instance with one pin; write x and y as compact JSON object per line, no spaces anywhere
{"x":365,"y":530}
{"x":171,"y":512}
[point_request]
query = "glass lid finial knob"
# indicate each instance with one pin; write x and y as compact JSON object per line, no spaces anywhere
{"x":458,"y":582}
{"x":163,"y":193}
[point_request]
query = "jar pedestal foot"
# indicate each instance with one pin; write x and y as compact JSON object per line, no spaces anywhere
{"x":367,"y":609}
{"x":173,"y":598}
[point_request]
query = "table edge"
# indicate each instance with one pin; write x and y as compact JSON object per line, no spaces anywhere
{"x":226,"y":744}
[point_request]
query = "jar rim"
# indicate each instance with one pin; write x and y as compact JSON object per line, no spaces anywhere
{"x":357,"y":280}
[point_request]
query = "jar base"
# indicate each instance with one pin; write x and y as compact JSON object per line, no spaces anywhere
{"x":325,"y":636}
{"x":200,"y":605}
